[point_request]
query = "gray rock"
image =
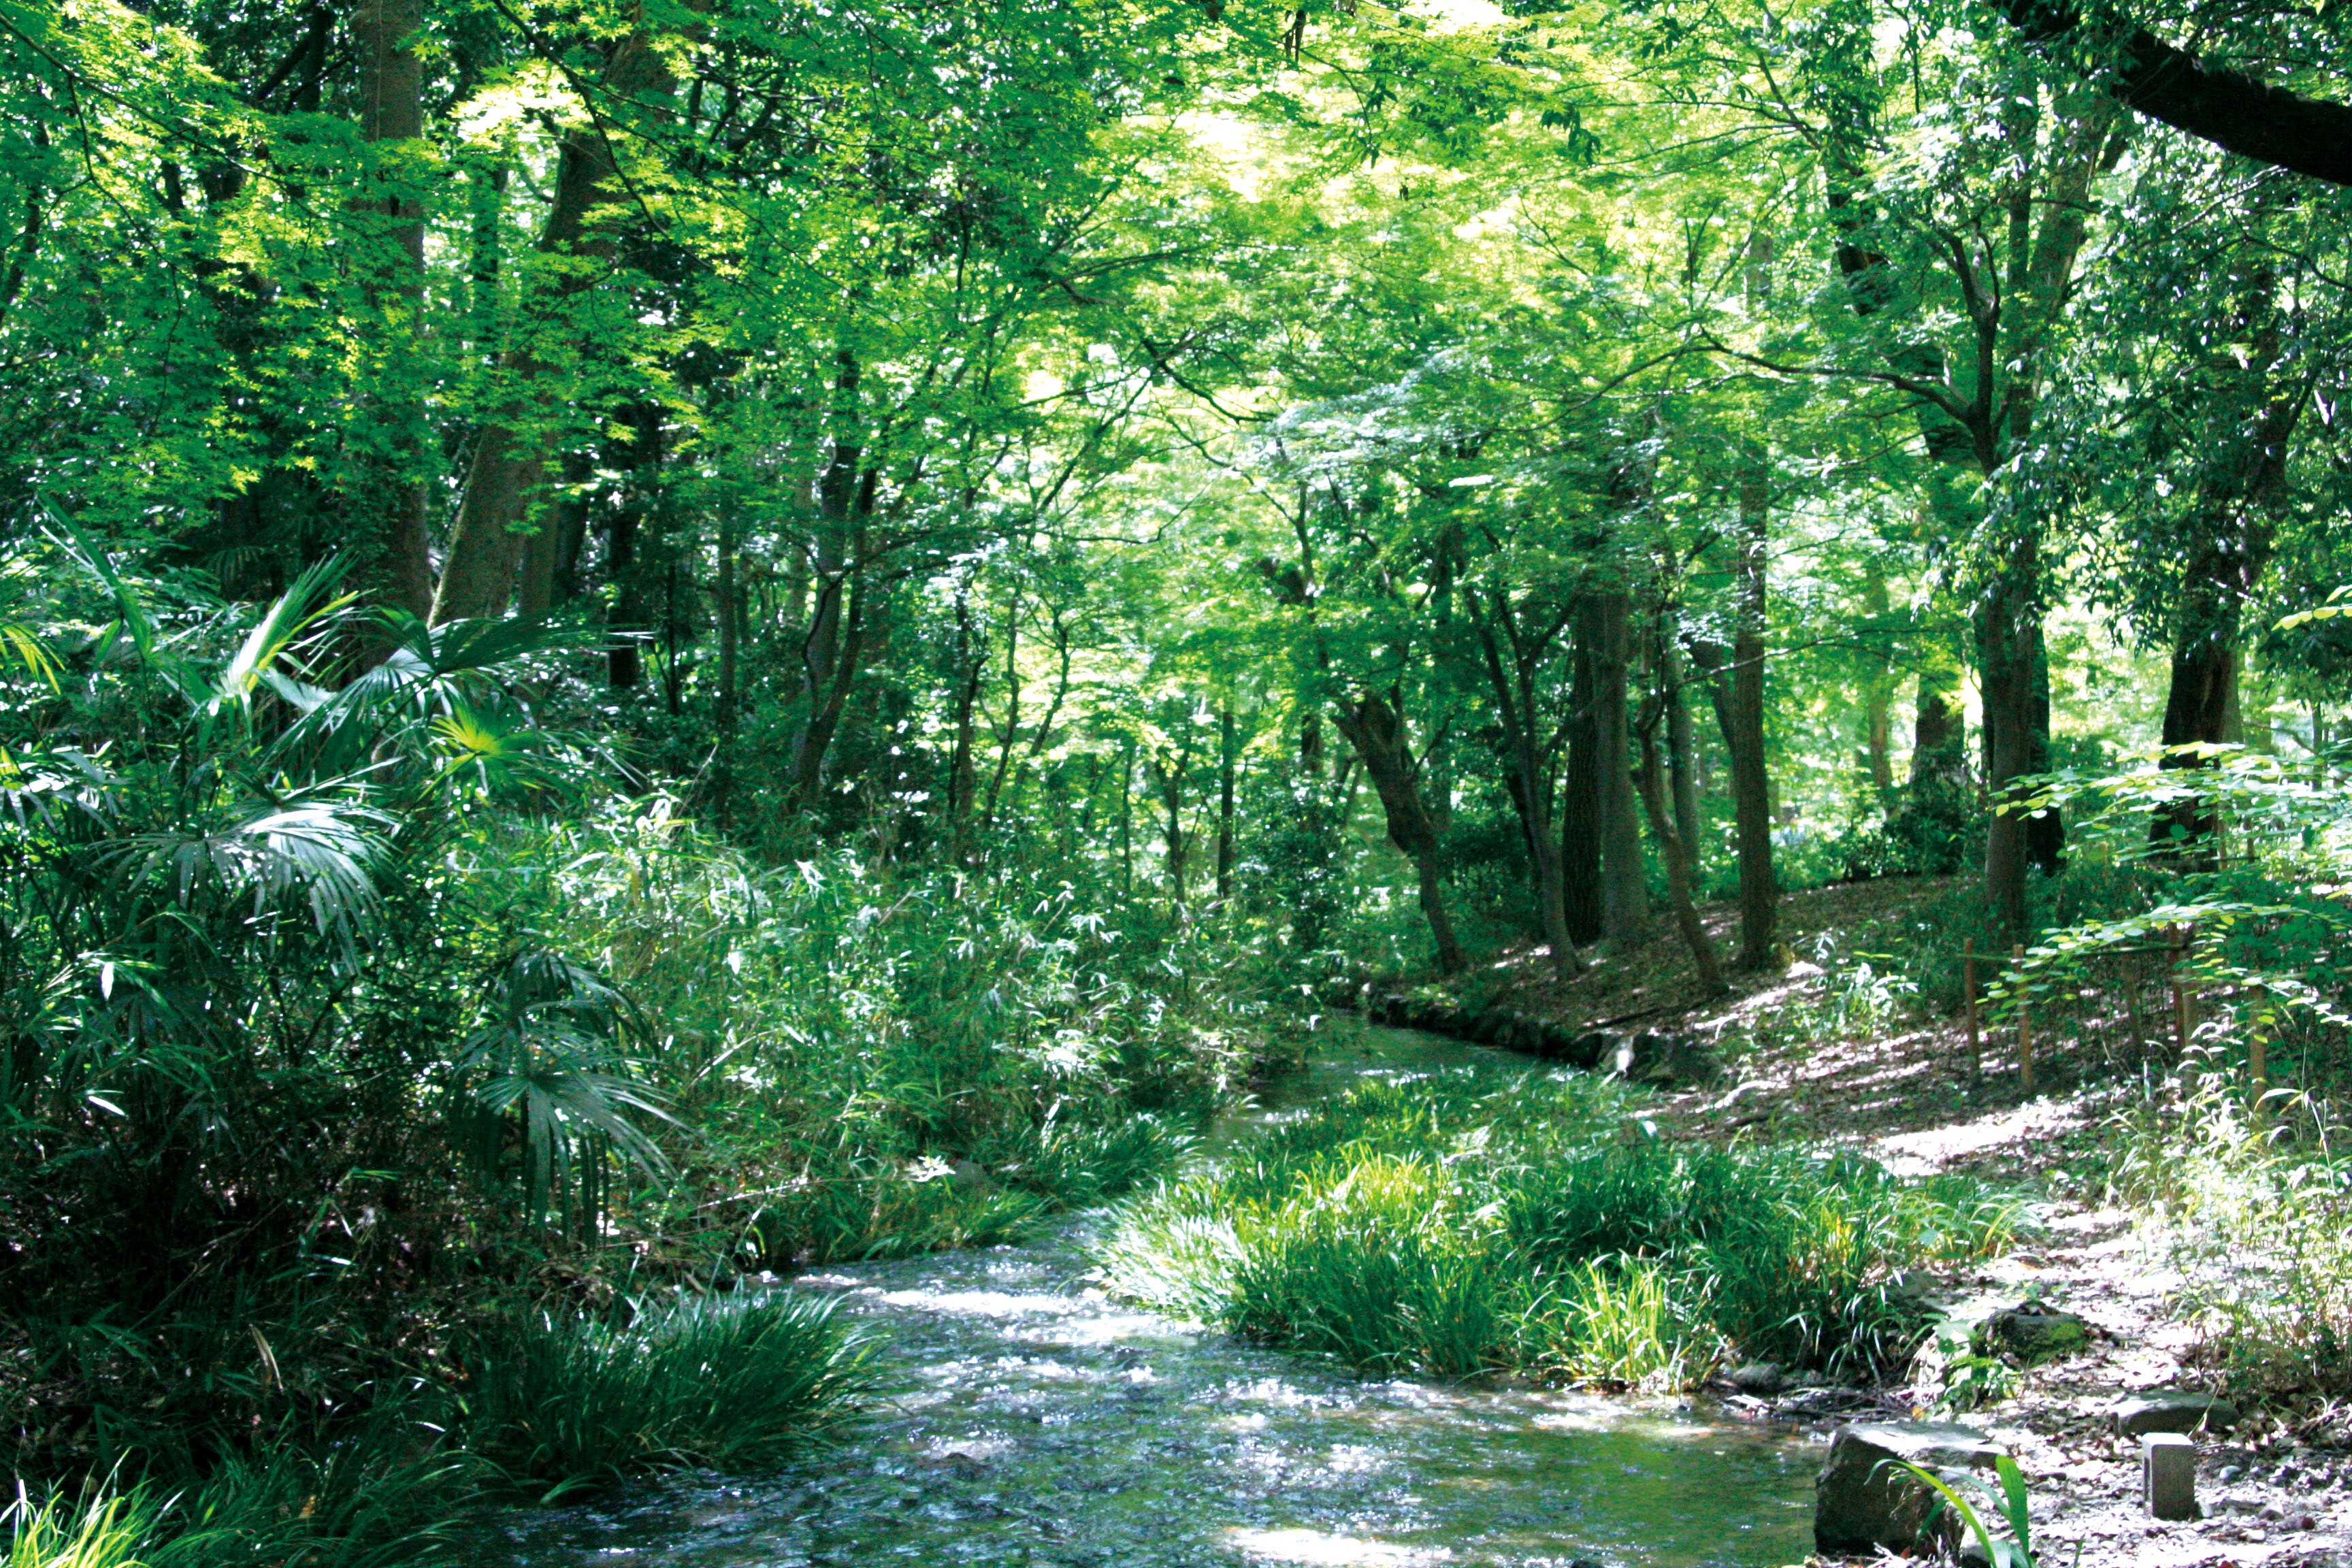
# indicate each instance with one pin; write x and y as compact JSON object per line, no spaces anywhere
{"x":2030,"y":1333}
{"x":1658,"y":1058}
{"x":1761,"y":1377}
{"x":1596,"y":1050}
{"x":2169,"y":1410}
{"x":1863,"y":1500}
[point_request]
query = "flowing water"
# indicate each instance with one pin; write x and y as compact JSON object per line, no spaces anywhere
{"x":1035,"y":1422}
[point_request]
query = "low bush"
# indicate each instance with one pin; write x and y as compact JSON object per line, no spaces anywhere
{"x":2254,"y":1210}
{"x":1449,"y":1224}
{"x":555,"y":1402}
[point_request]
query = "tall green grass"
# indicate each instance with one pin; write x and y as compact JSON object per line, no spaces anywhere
{"x":2254,"y":1209}
{"x":1444,"y":1226}
{"x":376,"y":1501}
{"x":553,"y":1403}
{"x":560,"y":1402}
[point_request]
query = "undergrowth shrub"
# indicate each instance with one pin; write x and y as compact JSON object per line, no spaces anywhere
{"x":555,"y":1402}
{"x":1447,"y":1223}
{"x":885,"y":1062}
{"x":2254,"y":1209}
{"x":346,"y":1005}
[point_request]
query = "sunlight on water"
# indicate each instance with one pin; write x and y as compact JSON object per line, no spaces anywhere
{"x":1034,"y":1422}
{"x":1313,"y":1547}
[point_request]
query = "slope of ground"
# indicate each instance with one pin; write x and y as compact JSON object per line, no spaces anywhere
{"x":1801,"y":1063}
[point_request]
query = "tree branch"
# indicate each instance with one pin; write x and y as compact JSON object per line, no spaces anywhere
{"x":2165,"y":82}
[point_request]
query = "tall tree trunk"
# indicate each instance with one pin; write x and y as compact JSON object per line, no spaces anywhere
{"x":510,"y":456}
{"x":1012,"y":714}
{"x":1751,"y":784}
{"x":1580,"y":800}
{"x":2007,"y":644}
{"x":1682,"y":749}
{"x":1940,"y":753}
{"x":729,"y":610}
{"x":832,"y":651}
{"x":1513,"y":684}
{"x":1376,"y":730}
{"x":1127,"y":819}
{"x":1228,"y":766}
{"x":1675,"y":853}
{"x":1624,"y":882}
{"x":392,"y":108}
{"x":971,"y":660}
{"x":2225,"y":568}
{"x":1878,"y":689}
{"x":1178,"y":842}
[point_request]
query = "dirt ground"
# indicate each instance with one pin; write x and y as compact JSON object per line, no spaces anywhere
{"x":2276,"y":1491}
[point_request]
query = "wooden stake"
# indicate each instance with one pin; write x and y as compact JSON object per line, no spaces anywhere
{"x":2257,"y":1051}
{"x":1969,"y":992}
{"x":2183,"y":1024}
{"x":2024,"y":1025}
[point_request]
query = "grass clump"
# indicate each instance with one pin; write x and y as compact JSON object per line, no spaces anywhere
{"x":375,"y":1501}
{"x":1447,"y":1225}
{"x":563,"y":1401}
{"x":2254,"y":1209}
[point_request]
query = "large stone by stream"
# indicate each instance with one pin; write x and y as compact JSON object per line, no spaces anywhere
{"x":2030,"y":1333}
{"x":2172,"y":1410}
{"x":1863,"y":1500}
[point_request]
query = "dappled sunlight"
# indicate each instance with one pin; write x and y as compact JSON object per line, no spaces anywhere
{"x":1314,"y":1547}
{"x":1934,"y":1148}
{"x":1030,"y":1418}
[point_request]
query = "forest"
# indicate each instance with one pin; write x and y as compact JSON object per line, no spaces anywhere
{"x":645,"y":647}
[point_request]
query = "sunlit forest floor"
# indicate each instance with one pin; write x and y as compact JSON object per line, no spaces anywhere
{"x":1808,"y":1059}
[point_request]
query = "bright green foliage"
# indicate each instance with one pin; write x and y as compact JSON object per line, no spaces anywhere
{"x":107,"y":1531}
{"x":2010,"y":1500}
{"x":559,"y":1402}
{"x":2255,"y":1209}
{"x":1447,"y":1225}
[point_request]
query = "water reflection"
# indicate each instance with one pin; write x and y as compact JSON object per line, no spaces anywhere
{"x":1034,"y":1422}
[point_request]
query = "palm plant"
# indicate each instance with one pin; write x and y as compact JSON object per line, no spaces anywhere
{"x":235,"y":935}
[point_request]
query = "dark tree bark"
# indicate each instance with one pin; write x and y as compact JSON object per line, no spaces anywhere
{"x":1878,"y":689}
{"x":1751,"y":784}
{"x":1675,"y":852}
{"x":1171,"y":773}
{"x":1984,"y":415}
{"x":2165,"y":82}
{"x":971,"y":667}
{"x":2008,"y":630}
{"x":1374,"y":728}
{"x":1527,"y":755}
{"x":392,"y":108}
{"x":729,"y":611}
{"x":1624,"y":884}
{"x":1012,"y":732}
{"x":834,"y":650}
{"x":510,"y":456}
{"x":1938,"y":736}
{"x":1580,"y":807}
{"x":1228,"y":765}
{"x":2229,"y":549}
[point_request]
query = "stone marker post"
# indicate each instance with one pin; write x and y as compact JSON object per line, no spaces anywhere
{"x":2168,"y":1475}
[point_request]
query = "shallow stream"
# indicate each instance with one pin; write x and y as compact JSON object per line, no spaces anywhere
{"x":1034,"y":1422}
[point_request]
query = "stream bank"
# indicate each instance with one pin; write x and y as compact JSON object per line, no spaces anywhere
{"x":1034,"y":1421}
